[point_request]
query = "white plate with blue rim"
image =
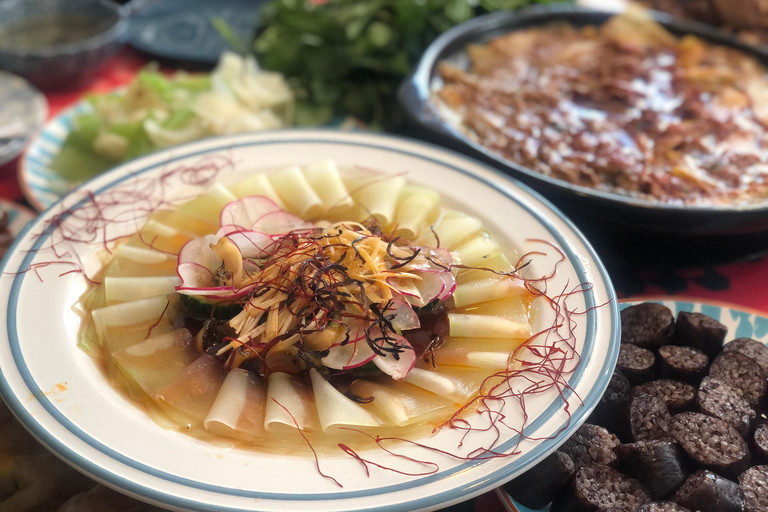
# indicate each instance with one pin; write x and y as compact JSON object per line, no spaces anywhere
{"x":741,"y":322}
{"x":59,"y":393}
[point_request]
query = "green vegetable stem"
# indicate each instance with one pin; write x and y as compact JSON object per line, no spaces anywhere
{"x":347,"y":57}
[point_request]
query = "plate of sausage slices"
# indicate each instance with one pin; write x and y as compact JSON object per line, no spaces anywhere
{"x":682,"y":425}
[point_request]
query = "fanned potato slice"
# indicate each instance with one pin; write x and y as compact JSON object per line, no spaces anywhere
{"x":377,"y":195}
{"x":257,"y":185}
{"x":160,"y":238}
{"x":512,"y":308}
{"x":325,"y":180}
{"x":209,"y":205}
{"x":238,"y":411}
{"x":133,"y":261}
{"x":126,"y":289}
{"x":401,"y":403}
{"x":498,"y":263}
{"x":293,"y":188}
{"x":121,"y":325}
{"x":477,"y":250}
{"x":413,"y":209}
{"x":184,"y":222}
{"x":493,"y":353}
{"x":189,"y":397}
{"x":486,"y":326}
{"x":488,"y":289}
{"x":289,"y":403}
{"x":336,"y":410}
{"x":452,"y":229}
{"x":454,"y":383}
{"x":153,"y":363}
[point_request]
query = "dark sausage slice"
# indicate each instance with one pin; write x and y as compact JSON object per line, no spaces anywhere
{"x":707,"y":492}
{"x":711,"y":443}
{"x":637,"y":364}
{"x":701,"y":332}
{"x":647,"y":325}
{"x":741,"y":373}
{"x":659,"y":465}
{"x":754,"y":485}
{"x":608,"y":411}
{"x":662,"y":506}
{"x":600,"y":487}
{"x":535,"y":487}
{"x":647,"y":419}
{"x":677,"y":396}
{"x":718,"y":399}
{"x":750,"y":348}
{"x":687,"y":364}
{"x":760,"y":443}
{"x":591,"y":444}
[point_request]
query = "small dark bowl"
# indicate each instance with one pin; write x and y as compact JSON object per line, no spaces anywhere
{"x":67,"y":64}
{"x":586,"y":206}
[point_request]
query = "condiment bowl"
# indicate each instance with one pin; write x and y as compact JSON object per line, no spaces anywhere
{"x":66,"y":59}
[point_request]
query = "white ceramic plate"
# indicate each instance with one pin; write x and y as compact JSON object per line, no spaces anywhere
{"x":741,"y":323}
{"x":59,"y":393}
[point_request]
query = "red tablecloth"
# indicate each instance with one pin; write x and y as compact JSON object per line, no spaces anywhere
{"x":741,"y":283}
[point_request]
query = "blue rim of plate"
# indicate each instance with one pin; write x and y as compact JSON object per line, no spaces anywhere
{"x":456,"y":494}
{"x":751,"y":324}
{"x":40,"y":184}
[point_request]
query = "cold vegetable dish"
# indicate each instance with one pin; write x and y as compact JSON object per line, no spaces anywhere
{"x":306,"y":300}
{"x":625,"y":108}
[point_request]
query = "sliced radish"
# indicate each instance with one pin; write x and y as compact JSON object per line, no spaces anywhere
{"x":244,"y":212}
{"x":279,"y":223}
{"x":351,"y":355}
{"x":252,"y":244}
{"x":402,"y":316}
{"x":199,"y":251}
{"x":397,"y":368}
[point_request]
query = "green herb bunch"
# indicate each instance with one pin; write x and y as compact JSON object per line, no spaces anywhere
{"x":347,"y":57}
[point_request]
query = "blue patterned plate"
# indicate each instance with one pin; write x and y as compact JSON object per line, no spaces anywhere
{"x":741,"y":322}
{"x":22,"y":111}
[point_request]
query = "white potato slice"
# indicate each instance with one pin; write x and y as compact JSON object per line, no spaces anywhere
{"x":209,"y":205}
{"x":153,"y":363}
{"x":378,"y":196}
{"x":413,"y":209}
{"x":289,"y":403}
{"x":401,"y":403}
{"x":335,"y":409}
{"x":450,"y":231}
{"x":476,"y":251}
{"x":293,"y":188}
{"x":238,"y":410}
{"x":126,"y":289}
{"x":325,"y":180}
{"x":456,"y":384}
{"x":484,"y":290}
{"x":189,"y":397}
{"x":257,"y":185}
{"x":486,"y":326}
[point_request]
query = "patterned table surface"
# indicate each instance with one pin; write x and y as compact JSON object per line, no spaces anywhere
{"x":742,"y":283}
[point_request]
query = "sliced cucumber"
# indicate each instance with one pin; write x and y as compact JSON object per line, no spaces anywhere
{"x":203,"y":309}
